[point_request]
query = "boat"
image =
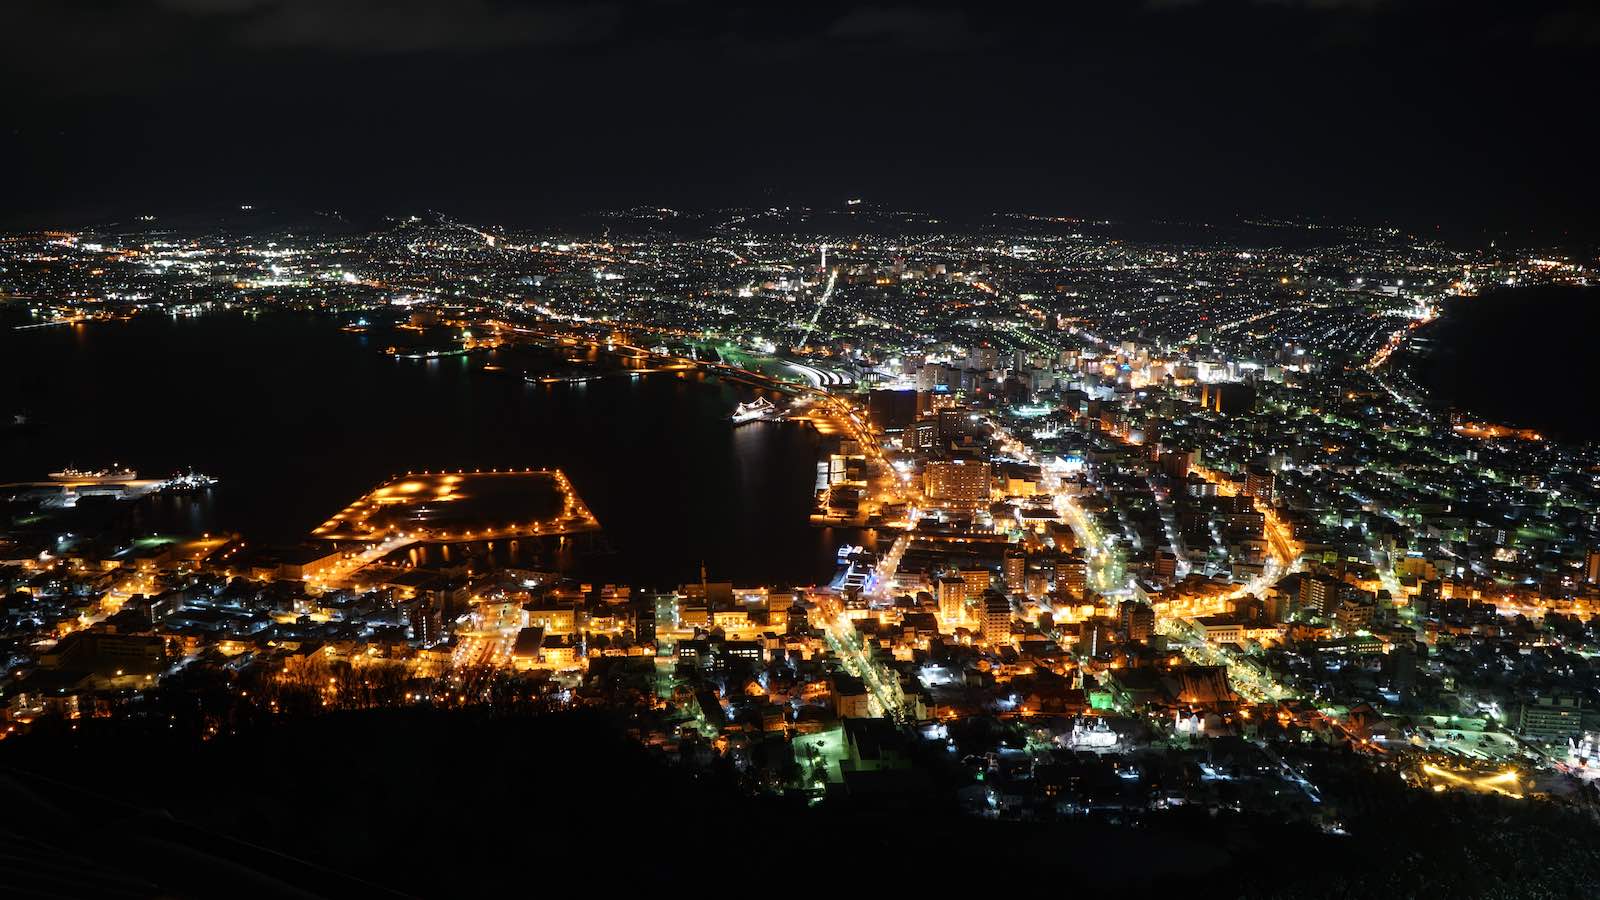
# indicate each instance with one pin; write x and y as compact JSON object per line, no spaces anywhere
{"x":188,"y":481}
{"x":758,"y":408}
{"x":114,"y":475}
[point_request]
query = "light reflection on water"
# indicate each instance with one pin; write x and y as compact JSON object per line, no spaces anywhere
{"x":298,"y":419}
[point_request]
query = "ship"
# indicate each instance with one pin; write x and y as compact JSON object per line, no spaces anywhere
{"x":758,"y":408}
{"x":114,"y":475}
{"x":188,"y":481}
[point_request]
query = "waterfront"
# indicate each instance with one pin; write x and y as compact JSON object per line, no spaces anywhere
{"x":296,"y":417}
{"x":1195,"y":557}
{"x":1471,"y":358}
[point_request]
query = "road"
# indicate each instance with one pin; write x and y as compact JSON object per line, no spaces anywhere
{"x":842,"y":637}
{"x":352,"y":563}
{"x":888,"y":565}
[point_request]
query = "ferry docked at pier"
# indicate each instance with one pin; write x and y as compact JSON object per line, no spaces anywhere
{"x":759,"y":408}
{"x":114,"y":475}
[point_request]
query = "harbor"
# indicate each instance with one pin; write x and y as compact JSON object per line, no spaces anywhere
{"x":443,"y":507}
{"x":65,"y":488}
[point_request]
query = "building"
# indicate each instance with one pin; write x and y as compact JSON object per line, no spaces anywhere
{"x":978,"y":581}
{"x":1552,"y":717}
{"x":954,"y":424}
{"x":798,"y":621}
{"x":1166,"y":565}
{"x":560,"y":651}
{"x":1221,"y":629}
{"x":850,"y":697}
{"x":1319,"y":593}
{"x":892,"y":411}
{"x":306,"y":563}
{"x":952,"y":597}
{"x":1036,"y":584}
{"x":715,"y":654}
{"x":1016,"y":570}
{"x":1099,"y":633}
{"x":425,"y":618}
{"x":996,"y":624}
{"x":1258,"y":483}
{"x":1228,"y":398}
{"x":1072,"y":573}
{"x":554,"y":618}
{"x":1138,"y":620}
{"x":873,"y":745}
{"x":527,"y":652}
{"x":1354,"y":614}
{"x":959,"y":482}
{"x":644,"y":624}
{"x":103,"y":653}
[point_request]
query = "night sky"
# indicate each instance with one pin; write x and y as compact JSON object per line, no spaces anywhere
{"x":1458,"y":113}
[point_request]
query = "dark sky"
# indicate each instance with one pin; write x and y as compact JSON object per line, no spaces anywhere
{"x":1456,"y":112}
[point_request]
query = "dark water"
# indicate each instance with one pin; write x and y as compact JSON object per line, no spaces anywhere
{"x":1522,"y":356}
{"x":299,"y":418}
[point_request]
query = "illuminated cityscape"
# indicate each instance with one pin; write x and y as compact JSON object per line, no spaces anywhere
{"x":1143,"y":553}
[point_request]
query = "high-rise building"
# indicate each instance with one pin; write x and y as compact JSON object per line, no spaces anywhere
{"x":1228,"y":398}
{"x":1016,"y":570}
{"x":954,"y":423}
{"x":952,"y":595}
{"x":1035,"y":584}
{"x":977,"y":581}
{"x":1138,"y":620}
{"x":892,"y":410}
{"x":1072,"y":573}
{"x":425,"y":619}
{"x":1591,"y":566}
{"x":1176,"y":463}
{"x":996,"y":622}
{"x":1278,"y":604}
{"x":1319,"y":592}
{"x":957,"y":481}
{"x":1259,"y":483}
{"x":1352,"y":614}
